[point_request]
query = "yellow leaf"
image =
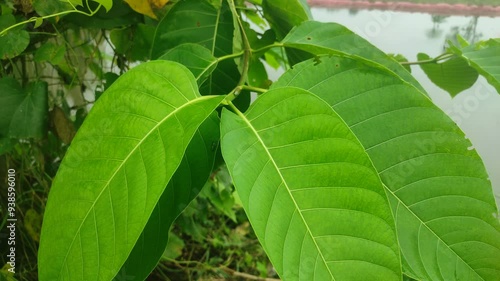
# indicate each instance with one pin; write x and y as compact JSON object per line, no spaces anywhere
{"x":158,"y":4}
{"x":146,"y":7}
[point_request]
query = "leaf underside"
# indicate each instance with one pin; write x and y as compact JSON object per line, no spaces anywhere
{"x":454,"y":75}
{"x":310,"y":191}
{"x":438,"y":188}
{"x":117,"y":168}
{"x":184,"y":186}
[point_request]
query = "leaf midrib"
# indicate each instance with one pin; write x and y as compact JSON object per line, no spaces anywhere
{"x":249,"y":124}
{"x":154,"y":128}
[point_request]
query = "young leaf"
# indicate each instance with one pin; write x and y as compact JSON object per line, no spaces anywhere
{"x":198,"y":22}
{"x":23,"y":112}
{"x":332,"y":38}
{"x":454,"y":75}
{"x":483,"y":56}
{"x":309,"y":189}
{"x":117,"y":168}
{"x":438,"y":188}
{"x":184,"y":186}
{"x":38,"y":22}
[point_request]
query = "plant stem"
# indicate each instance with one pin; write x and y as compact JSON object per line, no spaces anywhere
{"x":253,"y":89}
{"x":247,"y":276}
{"x":434,"y":60}
{"x":3,"y":32}
{"x":275,"y":45}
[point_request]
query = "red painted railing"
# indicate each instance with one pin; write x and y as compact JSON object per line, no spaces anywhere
{"x":440,"y":8}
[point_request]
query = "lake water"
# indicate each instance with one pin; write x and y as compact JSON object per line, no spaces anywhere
{"x":477,"y":110}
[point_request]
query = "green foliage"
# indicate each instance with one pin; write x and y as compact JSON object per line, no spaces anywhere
{"x":484,"y":57}
{"x":15,"y":41}
{"x":453,"y":75}
{"x":24,"y":112}
{"x":435,"y":183}
{"x":288,"y":159}
{"x":342,"y":169}
{"x":133,"y":156}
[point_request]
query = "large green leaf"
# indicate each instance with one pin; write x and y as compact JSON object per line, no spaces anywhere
{"x":332,"y":38}
{"x":309,"y":189}
{"x":198,"y":22}
{"x":184,"y":186}
{"x":454,"y":75}
{"x":484,"y":56}
{"x":23,"y":112}
{"x":117,"y":168}
{"x":439,"y":191}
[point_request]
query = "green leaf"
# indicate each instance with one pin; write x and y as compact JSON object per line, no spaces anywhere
{"x":184,"y":186}
{"x":332,"y":38}
{"x":257,"y":74}
{"x":483,"y":56}
{"x":38,"y":22}
{"x":283,"y":15}
{"x":116,"y":169}
{"x":45,"y":8}
{"x":134,"y":42}
{"x":198,"y":22}
{"x":23,"y":112}
{"x":50,"y":52}
{"x":120,"y":15}
{"x":107,"y":4}
{"x":6,"y":145}
{"x":400,"y":58}
{"x":438,"y":188}
{"x":309,"y":189}
{"x":15,"y":41}
{"x":75,"y":2}
{"x":198,"y":59}
{"x":454,"y":75}
{"x":174,"y":247}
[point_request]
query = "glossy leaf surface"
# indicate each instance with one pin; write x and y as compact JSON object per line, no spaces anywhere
{"x":309,"y":189}
{"x":117,"y":168}
{"x":438,"y":188}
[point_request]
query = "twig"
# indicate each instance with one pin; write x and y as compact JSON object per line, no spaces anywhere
{"x":247,"y":276}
